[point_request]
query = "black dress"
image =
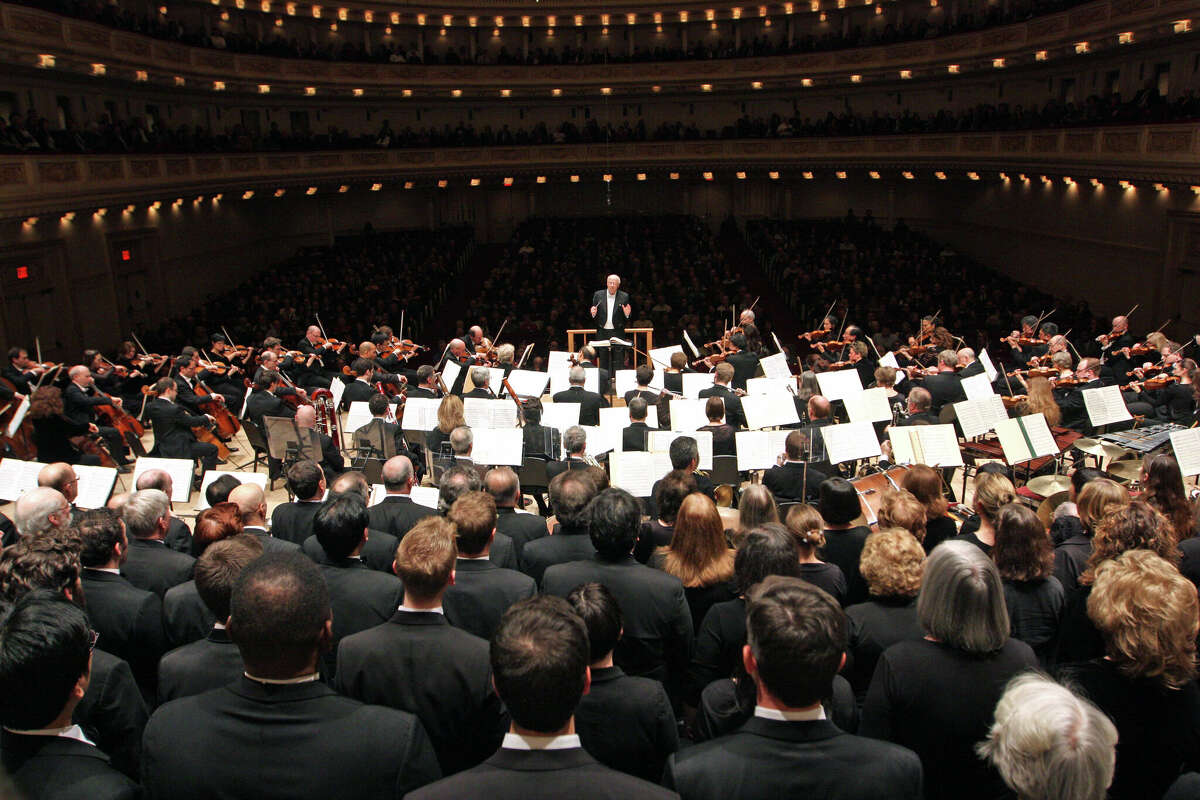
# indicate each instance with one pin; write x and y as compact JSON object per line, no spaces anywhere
{"x":844,"y":548}
{"x":938,"y":530}
{"x":874,"y":626}
{"x":52,"y":435}
{"x":828,"y":577}
{"x":1034,"y":608}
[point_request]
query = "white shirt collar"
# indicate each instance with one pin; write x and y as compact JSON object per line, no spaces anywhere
{"x":437,"y":610}
{"x":809,"y":715}
{"x":475,"y":558}
{"x":69,"y":732}
{"x":313,"y":678}
{"x":220,"y":626}
{"x":515,"y":741}
{"x":106,"y":569}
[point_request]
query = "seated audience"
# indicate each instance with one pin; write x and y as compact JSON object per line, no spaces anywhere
{"x":925,"y":484}
{"x":698,"y":556}
{"x":840,"y":508}
{"x":1097,"y":499}
{"x":805,"y":524}
{"x":1025,"y":560}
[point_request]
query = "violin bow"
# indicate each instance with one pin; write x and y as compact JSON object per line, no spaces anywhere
{"x":827,"y":313}
{"x":38,"y":342}
{"x":873,"y":347}
{"x":228,"y":338}
{"x":497,"y":339}
{"x":401,"y":336}
{"x":322,"y":327}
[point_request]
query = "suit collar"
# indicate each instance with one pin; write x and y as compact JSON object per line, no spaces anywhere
{"x":418,"y":618}
{"x":791,"y":731}
{"x":347,"y":563}
{"x":606,"y":674}
{"x":473,"y":565}
{"x":396,"y":498}
{"x":146,"y":542}
{"x":540,"y":760}
{"x":32,"y":746}
{"x":219,"y":636}
{"x":101,"y":575}
{"x":278,"y":692}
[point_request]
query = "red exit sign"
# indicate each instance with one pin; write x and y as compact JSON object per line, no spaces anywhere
{"x":22,"y":272}
{"x":126,"y":255}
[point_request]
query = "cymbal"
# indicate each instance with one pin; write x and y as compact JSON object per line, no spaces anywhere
{"x":1047,"y":485}
{"x":1125,"y":470}
{"x":1095,"y":447}
{"x":1046,"y":510}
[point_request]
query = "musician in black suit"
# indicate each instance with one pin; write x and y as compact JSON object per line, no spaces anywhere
{"x":505,"y":488}
{"x":624,"y":722}
{"x":540,"y":661}
{"x":464,"y":359}
{"x":179,"y":535}
{"x":611,"y":312}
{"x":920,"y":403}
{"x":262,"y":402}
{"x":418,"y":662}
{"x":173,"y":423}
{"x":945,"y":386}
{"x":722,"y":377}
{"x":149,"y":563}
{"x":482,"y":390}
{"x":318,"y":360}
{"x":427,"y":383}
{"x":636,"y":435}
{"x":968,"y":364}
{"x":20,"y":370}
{"x":396,"y":513}
{"x":214,"y":661}
{"x":657,"y":642}
{"x":745,"y":363}
{"x":793,"y":480}
{"x":685,"y":456}
{"x":1070,"y":399}
{"x":363,"y":387}
{"x":482,"y":591}
{"x":575,"y":444}
{"x":797,"y":643}
{"x":570,"y":494}
{"x":292,"y":521}
{"x":538,"y":441}
{"x":45,"y":653}
{"x":278,"y":721}
{"x":332,"y":462}
{"x":644,"y":373}
{"x":380,"y":438}
{"x":80,"y":397}
{"x":590,"y":403}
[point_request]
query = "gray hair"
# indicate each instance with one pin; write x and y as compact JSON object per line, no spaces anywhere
{"x":966,"y":353}
{"x":948,"y":358}
{"x":1048,"y":743}
{"x":461,"y":440}
{"x":480,"y":377}
{"x":505,"y":353}
{"x":396,"y":472}
{"x":143,"y":511}
{"x":574,"y":439}
{"x":961,"y":602}
{"x":638,"y":409}
{"x":35,"y":508}
{"x":1061,"y":359}
{"x":577,"y":375}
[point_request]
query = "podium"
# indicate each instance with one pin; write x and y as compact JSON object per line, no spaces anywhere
{"x":631,"y":335}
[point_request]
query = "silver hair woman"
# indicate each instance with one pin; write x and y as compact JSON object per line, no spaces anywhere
{"x":1050,"y":744}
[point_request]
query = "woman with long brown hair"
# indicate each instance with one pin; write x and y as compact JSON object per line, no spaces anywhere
{"x":1162,"y":484}
{"x":699,"y":556}
{"x":1039,"y":399}
{"x":925,"y":483}
{"x":1025,"y":559}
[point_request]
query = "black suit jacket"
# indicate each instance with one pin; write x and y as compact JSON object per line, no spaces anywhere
{"x":185,"y":617}
{"x":590,"y":403}
{"x":944,"y":387}
{"x":481,"y":593}
{"x":112,"y":712}
{"x":179,"y":536}
{"x":745,"y":367}
{"x":520,"y":527}
{"x":974,"y":368}
{"x":270,"y":543}
{"x":769,"y":759}
{"x":262,"y":403}
{"x":172,"y":424}
{"x":635,"y":437}
{"x":627,"y":723}
{"x":292,"y":522}
{"x":619,"y":320}
{"x":541,"y":554}
{"x":542,"y":775}
{"x":129,"y":621}
{"x":556,"y":468}
{"x":418,"y":662}
{"x":734,"y":415}
{"x":377,"y":554}
{"x":56,"y":768}
{"x":385,"y":438}
{"x":153,"y":566}
{"x":789,"y":483}
{"x":78,"y":404}
{"x":657,"y":638}
{"x":357,"y":391}
{"x":280,"y":742}
{"x":361,"y":598}
{"x":397,"y":513}
{"x":195,"y":668}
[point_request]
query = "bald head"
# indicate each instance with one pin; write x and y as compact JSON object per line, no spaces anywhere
{"x":251,"y":503}
{"x":60,"y":476}
{"x":41,"y":510}
{"x":965,"y":356}
{"x":312,"y":332}
{"x":118,"y":501}
{"x":397,"y":475}
{"x":476,"y":332}
{"x":156,"y":479}
{"x":458,"y":347}
{"x":1120,"y":323}
{"x":819,"y":407}
{"x":78,"y":372}
{"x":504,"y":486}
{"x":306,"y":416}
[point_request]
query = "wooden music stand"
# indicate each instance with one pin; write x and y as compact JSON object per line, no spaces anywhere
{"x":631,"y":334}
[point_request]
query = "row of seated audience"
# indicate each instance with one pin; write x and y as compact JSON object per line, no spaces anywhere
{"x":811,"y":655}
{"x":275,"y":44}
{"x":33,"y":133}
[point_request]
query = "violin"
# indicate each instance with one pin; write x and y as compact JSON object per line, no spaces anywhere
{"x":1107,"y":338}
{"x":1034,"y":372}
{"x":1012,"y":401}
{"x":338,"y":346}
{"x":819,"y":333}
{"x":1155,"y":383}
{"x":401,"y":348}
{"x":1023,"y":341}
{"x":20,"y":444}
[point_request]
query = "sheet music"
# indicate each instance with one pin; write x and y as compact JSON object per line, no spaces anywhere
{"x":696,"y":382}
{"x":660,"y":442}
{"x":687,"y":415}
{"x":932,"y":445}
{"x":378,"y":492}
{"x":420,"y":414}
{"x":627,"y":381}
{"x":691,"y":345}
{"x":560,"y":380}
{"x":337,"y":388}
{"x":601,"y":440}
{"x":759,"y":449}
{"x":769,"y":385}
{"x":871,"y":405}
{"x":619,"y":416}
{"x":246,"y":399}
{"x":17,"y":477}
{"x":1012,"y":433}
{"x":359,"y":415}
{"x":1105,"y":405}
{"x":889,"y":360}
{"x":769,"y":410}
{"x":18,"y":417}
{"x":180,"y":470}
{"x":989,"y":368}
{"x":1186,"y":444}
{"x":840,"y":384}
{"x":496,"y":380}
{"x":258,"y":478}
{"x":633,"y":472}
{"x":560,"y":415}
{"x":558,"y":359}
{"x":425,"y":496}
{"x":484,"y":414}
{"x":850,"y":441}
{"x":776,"y":366}
{"x":497,"y":447}
{"x":450,"y":371}
{"x":598,"y":343}
{"x":527,"y":383}
{"x":977,"y":417}
{"x":977,"y":386}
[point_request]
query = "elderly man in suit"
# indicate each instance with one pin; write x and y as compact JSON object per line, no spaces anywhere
{"x":611,"y":312}
{"x":590,"y":403}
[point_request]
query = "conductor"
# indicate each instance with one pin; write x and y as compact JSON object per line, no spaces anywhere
{"x":611,"y":311}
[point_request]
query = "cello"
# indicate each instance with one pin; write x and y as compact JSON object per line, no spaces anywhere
{"x":203,"y":433}
{"x":20,"y":445}
{"x":227,"y":424}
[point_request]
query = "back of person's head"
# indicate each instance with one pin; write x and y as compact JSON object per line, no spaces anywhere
{"x":304,"y":479}
{"x":377,"y":404}
{"x":672,"y":488}
{"x":577,"y":375}
{"x":900,"y":509}
{"x":724,"y":372}
{"x":1083,"y":476}
{"x":570,"y":493}
{"x":991,"y":492}
{"x":503,"y":485}
{"x":425,"y":558}
{"x":533,"y":411}
{"x":838,"y":502}
{"x":683,"y":451}
{"x":1047,"y":743}
{"x":540,"y":657}
{"x":644,"y":374}
{"x":891,"y":563}
{"x":455,"y":482}
{"x":947,"y":358}
{"x":1023,"y":550}
{"x":473,"y":516}
{"x":797,"y":637}
{"x":100,"y":530}
{"x":1137,"y":526}
{"x":598,"y":609}
{"x":925,"y":484}
{"x":575,"y":440}
{"x":45,"y":648}
{"x":396,"y":473}
{"x":614,"y":519}
{"x":805,"y":524}
{"x":218,"y":568}
{"x":1162,"y":487}
{"x":40,"y":510}
{"x":340,"y":525}
{"x":214,"y":524}
{"x":920,"y":399}
{"x":154,"y":479}
{"x":767,"y":550}
{"x":1097,"y":499}
{"x":994,"y":468}
{"x":961,"y":603}
{"x":756,"y":507}
{"x":461,"y":440}
{"x":714,"y":409}
{"x":278,"y":614}
{"x":794,"y":445}
{"x":885,"y":376}
{"x":60,"y":476}
{"x":1147,"y":613}
{"x":638,"y":409}
{"x":50,"y":561}
{"x":352,"y":481}
{"x":819,"y":407}
{"x":450,"y":413}
{"x":598,"y":476}
{"x":738,"y":340}
{"x":218,"y":491}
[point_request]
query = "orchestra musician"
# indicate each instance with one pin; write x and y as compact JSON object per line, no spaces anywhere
{"x":611,"y":311}
{"x":480,"y":377}
{"x":588,"y":360}
{"x":968,"y":364}
{"x":537,"y":440}
{"x":590,"y":403}
{"x":744,"y":362}
{"x":270,"y":367}
{"x":1070,"y":398}
{"x":332,"y":462}
{"x":173,"y":423}
{"x":944,"y":386}
{"x":52,"y":431}
{"x":427,"y":383}
{"x":731,"y":398}
{"x":21,"y":370}
{"x":314,"y":346}
{"x":79,"y":402}
{"x":643,"y":374}
{"x":459,"y":354}
{"x":263,"y":402}
{"x":673,"y":375}
{"x":1173,"y":402}
{"x":362,"y":388}
{"x":1115,"y":348}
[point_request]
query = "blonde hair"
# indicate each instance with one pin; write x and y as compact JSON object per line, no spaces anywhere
{"x":992,"y":491}
{"x":1147,"y":613}
{"x":891,"y":563}
{"x":1040,"y":399}
{"x":426,"y":556}
{"x":1137,"y":526}
{"x":901,"y":509}
{"x":807,"y":527}
{"x":1097,"y":499}
{"x":450,"y":413}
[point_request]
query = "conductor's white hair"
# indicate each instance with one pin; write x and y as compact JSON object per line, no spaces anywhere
{"x":1049,"y":744}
